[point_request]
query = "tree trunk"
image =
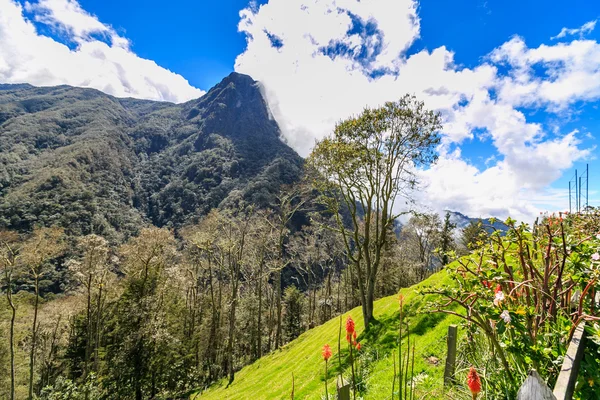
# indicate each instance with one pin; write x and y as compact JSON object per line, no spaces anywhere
{"x":231,"y":334}
{"x":88,"y":328}
{"x":11,"y":339}
{"x":98,"y":328}
{"x":278,"y":303}
{"x":33,"y":337}
{"x":259,"y":317}
{"x":369,"y":300}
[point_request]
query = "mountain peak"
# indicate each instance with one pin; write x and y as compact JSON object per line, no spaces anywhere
{"x":237,"y":78}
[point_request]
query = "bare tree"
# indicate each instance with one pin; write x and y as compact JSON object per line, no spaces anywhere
{"x":44,"y":245}
{"x":8,"y":263}
{"x":91,"y":272}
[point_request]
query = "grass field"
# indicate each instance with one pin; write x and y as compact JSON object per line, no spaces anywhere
{"x":271,"y":376}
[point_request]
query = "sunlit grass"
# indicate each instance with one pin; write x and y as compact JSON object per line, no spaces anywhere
{"x":271,"y":376}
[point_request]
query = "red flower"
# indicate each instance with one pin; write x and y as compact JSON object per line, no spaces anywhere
{"x":358,"y":346}
{"x":473,"y":382}
{"x":498,"y":289}
{"x":401,"y":299}
{"x":487,"y":284}
{"x":349,"y":326}
{"x":354,"y":335}
{"x":326,"y":352}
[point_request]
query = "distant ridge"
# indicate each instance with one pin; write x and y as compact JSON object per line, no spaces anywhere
{"x":462,"y":221}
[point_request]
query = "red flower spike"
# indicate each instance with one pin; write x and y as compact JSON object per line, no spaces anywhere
{"x":326,"y":352}
{"x":401,"y":299}
{"x":349,"y":326}
{"x":354,"y":335}
{"x":473,"y":382}
{"x":358,"y":346}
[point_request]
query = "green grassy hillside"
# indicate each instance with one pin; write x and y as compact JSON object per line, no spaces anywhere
{"x":271,"y":376}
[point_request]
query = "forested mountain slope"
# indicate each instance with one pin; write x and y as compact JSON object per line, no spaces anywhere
{"x":89,"y":162}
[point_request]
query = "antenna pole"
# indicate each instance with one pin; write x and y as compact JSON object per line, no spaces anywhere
{"x":570,"y":211}
{"x":587,"y":185}
{"x":576,"y":193}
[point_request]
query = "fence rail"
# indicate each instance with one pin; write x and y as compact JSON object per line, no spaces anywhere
{"x":534,"y":387}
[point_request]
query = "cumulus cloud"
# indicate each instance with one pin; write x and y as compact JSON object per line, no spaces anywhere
{"x":322,"y":61}
{"x":567,"y":72}
{"x":582,"y":30}
{"x":89,"y":54}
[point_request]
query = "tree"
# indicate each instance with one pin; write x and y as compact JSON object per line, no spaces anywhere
{"x":91,"y":273}
{"x":44,"y":245}
{"x":473,"y":235}
{"x":289,"y":202}
{"x":224,"y":241}
{"x":138,"y":354}
{"x":364,"y":167}
{"x":446,"y":239}
{"x":423,"y":236}
{"x":8,"y":260}
{"x":292,"y":298}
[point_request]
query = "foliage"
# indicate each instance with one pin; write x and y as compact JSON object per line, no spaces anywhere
{"x":91,"y":163}
{"x":66,"y":389}
{"x":589,"y":373}
{"x":270,"y":376}
{"x":292,"y":299}
{"x":365,"y":166}
{"x":525,"y":293}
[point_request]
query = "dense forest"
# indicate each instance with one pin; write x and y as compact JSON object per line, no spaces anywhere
{"x":91,"y":163}
{"x":149,"y":249}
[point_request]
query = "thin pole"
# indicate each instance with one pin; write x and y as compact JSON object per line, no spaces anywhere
{"x":580,"y":196}
{"x":570,"y":211}
{"x":576,"y":193}
{"x":587,"y":185}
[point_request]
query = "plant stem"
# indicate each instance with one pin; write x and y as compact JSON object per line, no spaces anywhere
{"x":353,"y":375}
{"x":394,"y":380}
{"x":326,"y":394}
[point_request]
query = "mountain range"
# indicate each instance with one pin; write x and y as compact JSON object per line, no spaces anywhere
{"x":90,"y":162}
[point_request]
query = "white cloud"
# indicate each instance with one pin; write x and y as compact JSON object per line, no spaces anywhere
{"x":582,"y":30}
{"x":310,"y":87}
{"x":571,"y":73}
{"x":110,"y":66}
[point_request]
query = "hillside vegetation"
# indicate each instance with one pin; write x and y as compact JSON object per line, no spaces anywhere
{"x":271,"y":376}
{"x":91,"y":163}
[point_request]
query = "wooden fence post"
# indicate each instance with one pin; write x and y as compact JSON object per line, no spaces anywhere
{"x":565,"y":384}
{"x":343,"y":389}
{"x":534,"y":388}
{"x":451,"y":356}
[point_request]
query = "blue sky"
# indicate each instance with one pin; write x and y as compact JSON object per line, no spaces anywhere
{"x":517,"y":82}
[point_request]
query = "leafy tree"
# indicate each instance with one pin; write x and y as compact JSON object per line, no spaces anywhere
{"x":447,"y":239}
{"x":423,"y":236}
{"x":292,"y":299}
{"x":141,"y":337}
{"x":364,"y":167}
{"x":473,"y":235}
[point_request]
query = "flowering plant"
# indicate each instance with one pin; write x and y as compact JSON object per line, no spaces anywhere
{"x":543,"y":282}
{"x":473,"y":382}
